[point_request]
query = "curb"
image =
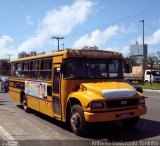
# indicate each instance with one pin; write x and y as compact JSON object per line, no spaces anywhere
{"x":151,"y":90}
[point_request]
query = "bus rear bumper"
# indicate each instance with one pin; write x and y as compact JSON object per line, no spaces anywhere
{"x":114,"y":115}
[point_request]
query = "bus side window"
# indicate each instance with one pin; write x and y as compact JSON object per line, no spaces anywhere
{"x":34,"y":69}
{"x":25,"y":68}
{"x":46,"y":69}
{"x":18,"y":72}
{"x":13,"y":69}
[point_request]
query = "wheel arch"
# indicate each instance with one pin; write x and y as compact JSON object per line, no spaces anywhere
{"x":71,"y":101}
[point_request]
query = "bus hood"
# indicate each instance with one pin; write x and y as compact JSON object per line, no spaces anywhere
{"x":111,"y":89}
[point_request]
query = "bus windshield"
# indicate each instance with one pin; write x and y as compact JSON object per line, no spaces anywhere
{"x":76,"y":68}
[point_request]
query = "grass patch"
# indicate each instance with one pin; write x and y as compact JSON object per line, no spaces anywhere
{"x":153,"y":86}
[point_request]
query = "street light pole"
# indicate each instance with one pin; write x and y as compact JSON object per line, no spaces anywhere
{"x":58,"y":38}
{"x":143,"y":49}
{"x":143,"y":34}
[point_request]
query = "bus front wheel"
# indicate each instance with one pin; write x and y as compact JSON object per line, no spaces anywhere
{"x":24,"y":103}
{"x":77,"y":120}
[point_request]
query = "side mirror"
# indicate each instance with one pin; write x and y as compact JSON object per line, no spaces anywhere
{"x":140,"y":90}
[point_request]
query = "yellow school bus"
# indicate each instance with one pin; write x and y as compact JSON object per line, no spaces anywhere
{"x":76,"y":86}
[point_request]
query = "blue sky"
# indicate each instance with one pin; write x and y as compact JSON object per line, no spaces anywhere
{"x":108,"y":24}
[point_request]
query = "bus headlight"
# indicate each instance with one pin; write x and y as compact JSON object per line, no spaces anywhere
{"x":96,"y":105}
{"x":141,"y":101}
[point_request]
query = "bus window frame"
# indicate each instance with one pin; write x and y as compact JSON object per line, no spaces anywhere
{"x":13,"y":69}
{"x":67,"y":60}
{"x":45,"y":74}
{"x":34,"y":73}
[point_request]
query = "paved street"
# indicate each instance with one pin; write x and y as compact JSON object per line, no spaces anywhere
{"x":39,"y":129}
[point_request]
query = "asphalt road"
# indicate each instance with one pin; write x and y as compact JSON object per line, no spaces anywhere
{"x":37,"y":129}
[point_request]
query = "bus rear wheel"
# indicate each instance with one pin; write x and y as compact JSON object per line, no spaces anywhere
{"x":77,"y":120}
{"x":24,"y":103}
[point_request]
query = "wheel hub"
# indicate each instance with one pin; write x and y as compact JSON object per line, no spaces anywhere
{"x":25,"y":102}
{"x":75,"y":120}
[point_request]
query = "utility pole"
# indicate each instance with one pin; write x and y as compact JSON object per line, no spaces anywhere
{"x":58,"y":38}
{"x":9,"y":55}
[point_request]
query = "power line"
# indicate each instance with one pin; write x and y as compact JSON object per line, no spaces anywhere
{"x":132,"y":17}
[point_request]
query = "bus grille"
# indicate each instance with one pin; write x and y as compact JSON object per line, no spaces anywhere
{"x":122,"y":103}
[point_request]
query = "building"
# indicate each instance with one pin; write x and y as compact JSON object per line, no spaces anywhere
{"x":23,"y":55}
{"x":89,"y":48}
{"x":33,"y":53}
{"x":138,"y":52}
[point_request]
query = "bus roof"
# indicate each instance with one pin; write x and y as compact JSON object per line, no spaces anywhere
{"x":74,"y":53}
{"x":57,"y":53}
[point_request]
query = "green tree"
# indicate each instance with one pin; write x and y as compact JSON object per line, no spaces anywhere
{"x":126,"y":65}
{"x":4,"y":67}
{"x":158,"y":63}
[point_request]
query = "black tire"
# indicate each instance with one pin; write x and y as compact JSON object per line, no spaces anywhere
{"x":6,"y":90}
{"x":129,"y":123}
{"x":77,"y":120}
{"x":146,"y":81}
{"x":25,"y":104}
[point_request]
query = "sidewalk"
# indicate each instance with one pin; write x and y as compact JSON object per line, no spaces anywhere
{"x":151,"y":90}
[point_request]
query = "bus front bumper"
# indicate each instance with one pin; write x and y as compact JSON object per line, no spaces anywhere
{"x":114,"y":115}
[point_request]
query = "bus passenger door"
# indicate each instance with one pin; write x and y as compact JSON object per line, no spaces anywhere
{"x":56,"y":91}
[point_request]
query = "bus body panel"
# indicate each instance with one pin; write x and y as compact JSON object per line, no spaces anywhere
{"x":15,"y":95}
{"x":84,"y":91}
{"x":33,"y":102}
{"x":115,"y":115}
{"x":46,"y":107}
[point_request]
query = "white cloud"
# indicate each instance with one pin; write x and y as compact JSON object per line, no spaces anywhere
{"x":98,"y":38}
{"x":29,"y":20}
{"x":33,"y":43}
{"x":152,"y":39}
{"x":124,"y":50}
{"x":156,"y":23}
{"x":5,"y":41}
{"x":6,"y":47}
{"x":58,"y":22}
{"x":63,"y":20}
